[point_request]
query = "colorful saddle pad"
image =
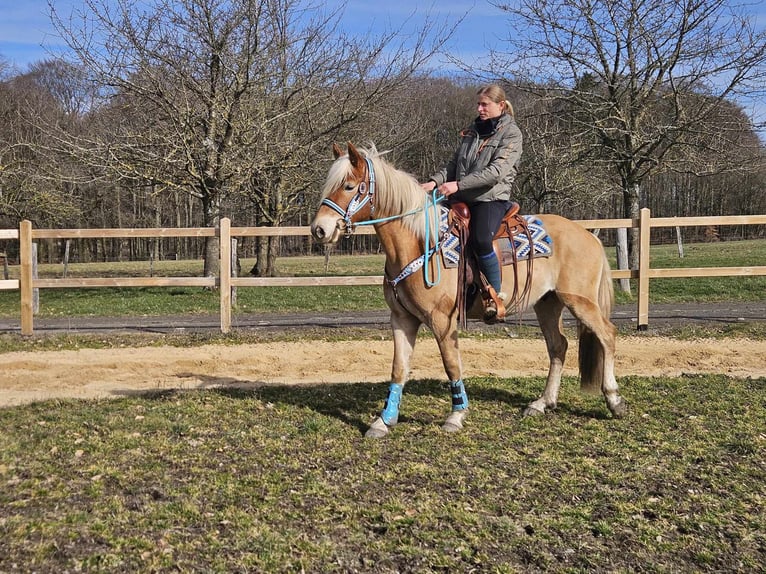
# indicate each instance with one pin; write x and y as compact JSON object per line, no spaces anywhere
{"x":538,"y":241}
{"x":449,"y":246}
{"x":541,"y":242}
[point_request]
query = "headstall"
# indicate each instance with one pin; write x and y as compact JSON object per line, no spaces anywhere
{"x":365,"y":193}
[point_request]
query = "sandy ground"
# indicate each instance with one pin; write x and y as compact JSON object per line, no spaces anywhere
{"x":93,"y":373}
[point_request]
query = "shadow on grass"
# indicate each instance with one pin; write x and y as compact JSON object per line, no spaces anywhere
{"x":356,"y":404}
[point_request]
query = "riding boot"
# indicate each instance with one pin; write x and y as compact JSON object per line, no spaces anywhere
{"x":490,"y":266}
{"x":493,"y":304}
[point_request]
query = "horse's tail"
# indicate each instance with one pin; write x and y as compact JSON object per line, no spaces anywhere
{"x":591,"y":349}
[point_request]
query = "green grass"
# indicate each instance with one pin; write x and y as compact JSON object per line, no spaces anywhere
{"x":175,"y":300}
{"x":107,"y":302}
{"x":707,"y":289}
{"x":280,"y":479}
{"x":190,"y":300}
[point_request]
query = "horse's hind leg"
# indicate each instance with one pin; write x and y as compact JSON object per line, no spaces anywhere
{"x":405,"y":329}
{"x":548,"y":311}
{"x":597,"y":336}
{"x":606,"y":336}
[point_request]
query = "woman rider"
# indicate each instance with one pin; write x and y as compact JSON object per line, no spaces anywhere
{"x":481,"y":174}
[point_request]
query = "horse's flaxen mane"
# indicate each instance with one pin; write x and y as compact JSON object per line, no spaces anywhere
{"x":396,"y":191}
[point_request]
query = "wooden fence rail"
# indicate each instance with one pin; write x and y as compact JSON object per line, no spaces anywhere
{"x":27,"y":283}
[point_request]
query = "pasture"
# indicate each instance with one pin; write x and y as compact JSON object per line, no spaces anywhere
{"x":280,"y":479}
{"x":190,"y":300}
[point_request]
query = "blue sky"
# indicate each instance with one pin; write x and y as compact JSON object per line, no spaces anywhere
{"x":26,"y":34}
{"x":24,"y":27}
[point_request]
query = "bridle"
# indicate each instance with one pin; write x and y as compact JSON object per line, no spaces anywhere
{"x":365,"y":193}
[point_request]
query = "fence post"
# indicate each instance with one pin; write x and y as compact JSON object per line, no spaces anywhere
{"x":26,"y":287}
{"x":224,"y":282}
{"x":234,"y":270}
{"x":645,"y":232}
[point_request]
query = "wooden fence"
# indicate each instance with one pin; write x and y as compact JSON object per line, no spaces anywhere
{"x":27,"y":283}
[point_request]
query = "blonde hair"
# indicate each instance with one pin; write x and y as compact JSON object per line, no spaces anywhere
{"x":497,"y":95}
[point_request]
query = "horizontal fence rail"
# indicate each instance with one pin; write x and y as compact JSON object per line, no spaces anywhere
{"x":27,"y":282}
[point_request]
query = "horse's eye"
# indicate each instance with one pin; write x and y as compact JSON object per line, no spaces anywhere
{"x":350,"y":187}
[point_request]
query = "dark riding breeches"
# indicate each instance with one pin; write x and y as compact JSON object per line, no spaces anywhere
{"x":486,"y":217}
{"x":485,"y":221}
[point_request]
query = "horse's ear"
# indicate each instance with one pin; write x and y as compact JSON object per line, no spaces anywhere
{"x":354,"y":156}
{"x":337,"y":151}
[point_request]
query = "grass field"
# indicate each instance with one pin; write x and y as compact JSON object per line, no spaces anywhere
{"x":176,"y":300}
{"x":280,"y":479}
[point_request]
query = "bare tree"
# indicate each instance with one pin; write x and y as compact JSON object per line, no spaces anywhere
{"x":26,"y":171}
{"x":550,"y":177}
{"x":424,"y":128}
{"x":331,"y":87}
{"x":216,"y":98}
{"x":643,"y":81}
{"x":67,"y":84}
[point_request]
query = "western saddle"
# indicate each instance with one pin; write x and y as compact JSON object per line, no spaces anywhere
{"x":472,"y":282}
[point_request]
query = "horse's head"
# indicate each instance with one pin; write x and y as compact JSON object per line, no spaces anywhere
{"x":348,"y":195}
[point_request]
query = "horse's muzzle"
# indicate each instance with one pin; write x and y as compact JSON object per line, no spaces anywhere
{"x":318,"y":233}
{"x":325,"y":230}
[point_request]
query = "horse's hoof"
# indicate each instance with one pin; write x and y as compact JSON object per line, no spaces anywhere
{"x":619,"y":409}
{"x":532,"y":412}
{"x":454,"y":422}
{"x":378,"y":429}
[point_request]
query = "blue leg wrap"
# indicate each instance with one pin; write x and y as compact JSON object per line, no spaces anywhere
{"x":390,"y":414}
{"x":459,"y":396}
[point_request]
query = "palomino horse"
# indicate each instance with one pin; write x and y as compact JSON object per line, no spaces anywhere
{"x":363,"y":188}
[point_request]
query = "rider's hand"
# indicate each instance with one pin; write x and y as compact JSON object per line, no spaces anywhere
{"x":448,"y":188}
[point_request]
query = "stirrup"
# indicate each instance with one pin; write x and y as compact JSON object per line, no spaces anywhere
{"x":490,"y":311}
{"x":494,"y":306}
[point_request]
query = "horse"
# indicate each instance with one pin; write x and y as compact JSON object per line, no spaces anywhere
{"x":364,"y":188}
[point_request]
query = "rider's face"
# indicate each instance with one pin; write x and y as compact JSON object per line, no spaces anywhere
{"x":487,"y":108}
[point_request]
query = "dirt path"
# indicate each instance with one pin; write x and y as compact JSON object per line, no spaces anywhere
{"x":93,"y":373}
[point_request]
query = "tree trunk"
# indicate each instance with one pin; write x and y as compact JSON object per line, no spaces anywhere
{"x":156,"y":250}
{"x":622,"y":257}
{"x":212,"y":218}
{"x":179,"y":223}
{"x":631,"y":193}
{"x":680,"y":242}
{"x":261,"y":257}
{"x":271,"y":264}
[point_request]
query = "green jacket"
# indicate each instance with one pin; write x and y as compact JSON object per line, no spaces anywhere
{"x":484,"y":168}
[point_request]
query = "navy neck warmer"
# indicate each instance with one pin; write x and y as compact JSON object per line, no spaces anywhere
{"x":486,"y":127}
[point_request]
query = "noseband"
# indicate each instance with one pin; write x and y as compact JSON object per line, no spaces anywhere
{"x":365,"y":193}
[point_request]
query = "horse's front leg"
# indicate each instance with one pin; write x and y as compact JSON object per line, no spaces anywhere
{"x":405,"y":329}
{"x":444,"y":327}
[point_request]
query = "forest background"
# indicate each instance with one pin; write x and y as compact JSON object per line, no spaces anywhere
{"x":175,"y":113}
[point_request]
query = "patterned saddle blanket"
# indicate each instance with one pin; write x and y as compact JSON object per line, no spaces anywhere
{"x":538,"y":242}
